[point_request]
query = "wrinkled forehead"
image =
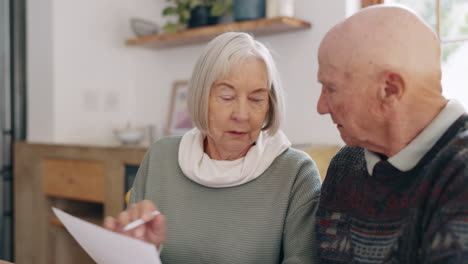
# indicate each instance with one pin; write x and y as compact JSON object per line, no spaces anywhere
{"x":333,"y":51}
{"x":326,"y":72}
{"x":341,"y":59}
{"x":331,"y":67}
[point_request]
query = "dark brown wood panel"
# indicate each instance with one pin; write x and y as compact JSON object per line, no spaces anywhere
{"x":73,"y":179}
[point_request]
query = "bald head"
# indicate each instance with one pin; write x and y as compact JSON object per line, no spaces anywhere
{"x":380,"y":73}
{"x":384,"y":37}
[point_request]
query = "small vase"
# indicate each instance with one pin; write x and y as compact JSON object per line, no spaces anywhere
{"x":199,"y":16}
{"x":249,"y":9}
{"x":213,"y":20}
{"x":286,"y":8}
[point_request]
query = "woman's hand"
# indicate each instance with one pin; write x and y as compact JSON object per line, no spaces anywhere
{"x":153,"y":231}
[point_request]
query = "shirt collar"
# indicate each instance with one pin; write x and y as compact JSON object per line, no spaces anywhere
{"x":410,"y":155}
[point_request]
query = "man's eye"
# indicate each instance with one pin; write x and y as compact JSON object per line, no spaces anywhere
{"x":330,"y":88}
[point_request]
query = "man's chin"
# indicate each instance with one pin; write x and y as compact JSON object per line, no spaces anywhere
{"x":348,"y":141}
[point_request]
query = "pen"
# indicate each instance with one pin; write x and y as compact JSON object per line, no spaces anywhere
{"x":138,"y":222}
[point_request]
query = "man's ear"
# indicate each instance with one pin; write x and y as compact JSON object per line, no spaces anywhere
{"x":392,"y":87}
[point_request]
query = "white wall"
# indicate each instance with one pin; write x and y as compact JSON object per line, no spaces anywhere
{"x":41,"y":96}
{"x":83,"y":80}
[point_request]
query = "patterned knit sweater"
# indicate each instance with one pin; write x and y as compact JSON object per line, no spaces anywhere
{"x":418,"y":216}
{"x":268,"y":220}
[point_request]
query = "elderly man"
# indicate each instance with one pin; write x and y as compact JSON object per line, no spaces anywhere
{"x":398,"y":192}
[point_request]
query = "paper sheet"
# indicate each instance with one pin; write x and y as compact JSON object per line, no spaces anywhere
{"x":107,"y":247}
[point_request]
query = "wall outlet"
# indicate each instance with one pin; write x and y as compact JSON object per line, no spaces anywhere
{"x":90,"y":101}
{"x":111,"y":101}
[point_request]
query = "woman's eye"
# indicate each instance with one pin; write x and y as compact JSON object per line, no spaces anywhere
{"x":227,"y":98}
{"x":257,"y":99}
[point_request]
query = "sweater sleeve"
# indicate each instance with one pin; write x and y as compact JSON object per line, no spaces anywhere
{"x":299,"y":239}
{"x":137,"y":191}
{"x":447,"y":232}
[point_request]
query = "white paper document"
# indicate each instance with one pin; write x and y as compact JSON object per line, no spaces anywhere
{"x":107,"y":247}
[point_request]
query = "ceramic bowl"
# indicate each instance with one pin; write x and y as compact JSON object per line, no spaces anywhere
{"x":130,"y":136}
{"x":142,"y":27}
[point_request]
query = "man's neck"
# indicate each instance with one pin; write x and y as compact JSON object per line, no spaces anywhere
{"x":405,"y":126}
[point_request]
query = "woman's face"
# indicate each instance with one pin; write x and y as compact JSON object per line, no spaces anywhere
{"x":237,"y":108}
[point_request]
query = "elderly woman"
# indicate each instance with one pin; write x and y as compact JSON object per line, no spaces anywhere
{"x":231,"y":190}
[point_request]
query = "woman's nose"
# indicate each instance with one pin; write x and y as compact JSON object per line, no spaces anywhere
{"x":241,"y":111}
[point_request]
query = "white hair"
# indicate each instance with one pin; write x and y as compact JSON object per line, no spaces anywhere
{"x":217,"y":60}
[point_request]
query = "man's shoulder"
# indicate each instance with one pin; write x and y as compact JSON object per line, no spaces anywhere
{"x":455,"y":154}
{"x":460,"y":143}
{"x":349,"y":162}
{"x":348,"y":156}
{"x":457,"y":147}
{"x":461,"y":139}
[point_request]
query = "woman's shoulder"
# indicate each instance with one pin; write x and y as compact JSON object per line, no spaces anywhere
{"x":168,"y":141}
{"x":295,"y":155}
{"x":301,"y":167}
{"x":165,"y":144}
{"x":295,"y":160}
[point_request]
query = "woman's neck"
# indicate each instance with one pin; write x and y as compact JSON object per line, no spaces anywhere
{"x":217,"y":153}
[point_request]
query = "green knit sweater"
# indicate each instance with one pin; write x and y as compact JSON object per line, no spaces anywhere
{"x":268,"y":220}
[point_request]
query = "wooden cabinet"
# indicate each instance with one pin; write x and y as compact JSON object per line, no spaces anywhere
{"x":85,"y":181}
{"x":73,"y":179}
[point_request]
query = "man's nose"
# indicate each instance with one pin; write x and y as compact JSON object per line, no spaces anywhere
{"x":322,"y":105}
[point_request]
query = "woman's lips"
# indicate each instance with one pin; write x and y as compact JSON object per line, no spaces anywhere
{"x":237,"y":133}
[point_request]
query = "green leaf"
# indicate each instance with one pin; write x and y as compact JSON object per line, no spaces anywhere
{"x":170,"y":27}
{"x":217,"y":9}
{"x":185,"y":14}
{"x":169,"y":11}
{"x":195,"y":3}
{"x":185,"y":2}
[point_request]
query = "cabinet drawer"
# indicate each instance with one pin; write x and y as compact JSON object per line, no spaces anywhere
{"x":73,"y":179}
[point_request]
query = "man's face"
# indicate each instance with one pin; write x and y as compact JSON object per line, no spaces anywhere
{"x":349,"y":101}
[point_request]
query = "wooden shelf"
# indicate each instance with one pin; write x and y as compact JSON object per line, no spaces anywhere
{"x":257,"y":27}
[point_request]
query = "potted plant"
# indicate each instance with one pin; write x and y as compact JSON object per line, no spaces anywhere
{"x":193,"y":13}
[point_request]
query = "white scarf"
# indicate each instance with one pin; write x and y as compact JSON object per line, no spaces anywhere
{"x":200,"y":168}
